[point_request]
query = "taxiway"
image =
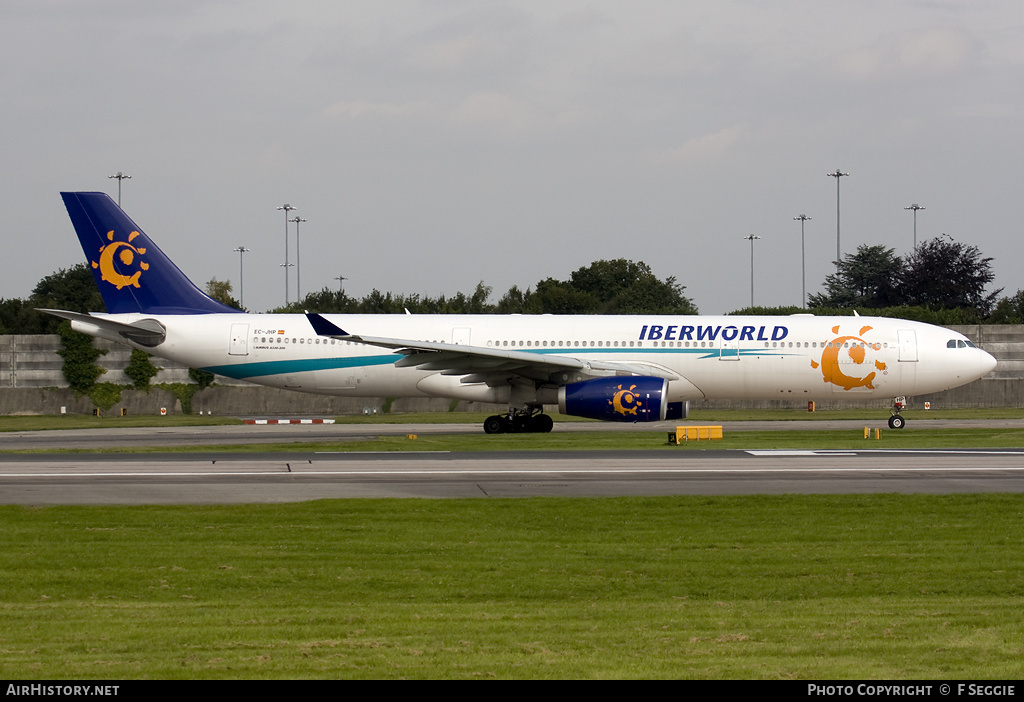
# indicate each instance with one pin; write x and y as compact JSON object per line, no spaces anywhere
{"x":218,"y":477}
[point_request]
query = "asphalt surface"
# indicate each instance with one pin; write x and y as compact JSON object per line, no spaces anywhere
{"x":219,"y":477}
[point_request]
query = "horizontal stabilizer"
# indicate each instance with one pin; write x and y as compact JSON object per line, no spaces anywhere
{"x":145,"y":332}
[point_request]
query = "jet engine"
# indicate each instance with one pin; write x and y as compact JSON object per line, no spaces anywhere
{"x":621,"y":398}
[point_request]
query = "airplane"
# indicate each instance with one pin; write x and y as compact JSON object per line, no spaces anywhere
{"x":625,"y":368}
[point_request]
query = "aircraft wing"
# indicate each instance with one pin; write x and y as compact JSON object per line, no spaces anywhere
{"x":480,"y":364}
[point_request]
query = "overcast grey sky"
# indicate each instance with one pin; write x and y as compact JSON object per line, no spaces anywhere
{"x":432,"y":145}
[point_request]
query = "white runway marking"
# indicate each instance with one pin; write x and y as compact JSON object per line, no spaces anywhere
{"x":565,"y":472}
{"x":858,"y":452}
{"x":787,"y":452}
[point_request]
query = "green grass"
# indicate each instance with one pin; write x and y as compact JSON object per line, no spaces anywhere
{"x":869,"y":414}
{"x":918,"y":434}
{"x":832,"y":587}
{"x":84,"y":421}
{"x":642,"y":439}
{"x":877,"y":414}
{"x":658,"y":440}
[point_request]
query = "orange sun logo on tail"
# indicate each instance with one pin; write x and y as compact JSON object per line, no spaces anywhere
{"x":847,"y":361}
{"x":127,"y":257}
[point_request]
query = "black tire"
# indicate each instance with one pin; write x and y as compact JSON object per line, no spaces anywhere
{"x":542,"y":424}
{"x":897,"y":422}
{"x":494,"y":425}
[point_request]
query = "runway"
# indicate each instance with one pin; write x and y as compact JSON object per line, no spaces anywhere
{"x":221,"y":477}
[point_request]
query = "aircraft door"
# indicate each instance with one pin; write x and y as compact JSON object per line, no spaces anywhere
{"x":460,"y":335}
{"x":239,"y":342}
{"x":908,"y":344}
{"x":730,"y":351}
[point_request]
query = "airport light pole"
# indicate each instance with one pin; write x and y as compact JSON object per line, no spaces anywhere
{"x":298,"y":260}
{"x":837,"y":175}
{"x":803,"y":262}
{"x":915,"y":207}
{"x":241,"y":250}
{"x":286,"y":266}
{"x":287,"y":208}
{"x":751,"y":238}
{"x":341,"y":283}
{"x":120,"y":176}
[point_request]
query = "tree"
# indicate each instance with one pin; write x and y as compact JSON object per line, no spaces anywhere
{"x":619,"y":286}
{"x":627,"y":287}
{"x":869,"y":278}
{"x":472,"y":304}
{"x":140,"y":369}
{"x":19,"y":316}
{"x":80,"y":367}
{"x":1009,"y":310}
{"x":513,"y":302}
{"x":946,"y":274}
{"x":202,"y":378}
{"x":72,"y":289}
{"x":220,"y":290}
{"x":552,"y":296}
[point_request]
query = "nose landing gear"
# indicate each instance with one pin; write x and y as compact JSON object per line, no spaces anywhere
{"x":896,"y":421}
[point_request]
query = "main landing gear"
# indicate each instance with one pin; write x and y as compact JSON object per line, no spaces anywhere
{"x":896,"y":421}
{"x":519,"y":422}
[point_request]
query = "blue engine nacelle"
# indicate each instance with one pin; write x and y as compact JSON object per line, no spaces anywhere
{"x":621,"y":398}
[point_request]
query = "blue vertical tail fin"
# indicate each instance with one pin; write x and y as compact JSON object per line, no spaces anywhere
{"x":132,"y":273}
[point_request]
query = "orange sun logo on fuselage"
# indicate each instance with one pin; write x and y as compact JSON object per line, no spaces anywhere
{"x":125,"y":253}
{"x":845,"y":361}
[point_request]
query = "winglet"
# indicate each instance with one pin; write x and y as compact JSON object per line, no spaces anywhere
{"x":324,"y":328}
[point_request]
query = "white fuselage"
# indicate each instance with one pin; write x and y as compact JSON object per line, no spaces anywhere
{"x":798,"y":357}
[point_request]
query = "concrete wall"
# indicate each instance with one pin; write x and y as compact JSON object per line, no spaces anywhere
{"x":31,"y":361}
{"x":247,"y":401}
{"x":31,"y":382}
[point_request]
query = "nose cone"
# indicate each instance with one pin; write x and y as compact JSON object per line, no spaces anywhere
{"x":985,"y":362}
{"x":974,"y":365}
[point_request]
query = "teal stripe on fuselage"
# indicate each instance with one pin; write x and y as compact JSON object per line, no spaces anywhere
{"x":241,"y":371}
{"x":702,"y":352}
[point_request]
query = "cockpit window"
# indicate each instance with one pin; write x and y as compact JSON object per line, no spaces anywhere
{"x":960,"y":344}
{"x":951,"y":344}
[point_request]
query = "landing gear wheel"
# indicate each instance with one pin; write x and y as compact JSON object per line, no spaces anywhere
{"x":542,"y":424}
{"x":494,"y":425}
{"x":897,"y":422}
{"x":518,"y":424}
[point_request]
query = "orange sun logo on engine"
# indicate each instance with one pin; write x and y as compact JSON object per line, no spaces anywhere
{"x":848,"y":361}
{"x":625,"y":401}
{"x":127,"y":257}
